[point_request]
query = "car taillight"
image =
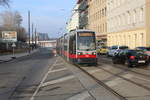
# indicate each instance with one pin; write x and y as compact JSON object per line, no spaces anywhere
{"x":132,"y":57}
{"x":147,"y":57}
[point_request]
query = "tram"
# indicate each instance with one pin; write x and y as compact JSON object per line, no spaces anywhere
{"x":78,"y":46}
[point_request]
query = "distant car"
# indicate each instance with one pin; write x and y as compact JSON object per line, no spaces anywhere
{"x":140,"y":48}
{"x":103,"y":50}
{"x":115,"y":49}
{"x":131,"y":58}
{"x":145,"y":49}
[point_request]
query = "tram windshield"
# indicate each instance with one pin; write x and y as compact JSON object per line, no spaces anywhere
{"x":86,"y":41}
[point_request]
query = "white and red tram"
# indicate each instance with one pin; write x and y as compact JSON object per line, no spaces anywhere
{"x":78,"y":46}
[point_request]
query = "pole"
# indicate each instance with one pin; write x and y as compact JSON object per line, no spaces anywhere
{"x":29,"y":29}
{"x":32,"y":34}
{"x":35,"y":38}
{"x":13,"y":52}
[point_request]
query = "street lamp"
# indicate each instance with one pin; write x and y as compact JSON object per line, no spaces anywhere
{"x":29,"y":29}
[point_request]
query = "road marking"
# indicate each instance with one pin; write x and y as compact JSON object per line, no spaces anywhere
{"x":128,"y":76}
{"x":81,"y":96}
{"x":132,"y":76}
{"x":58,"y":70}
{"x":94,"y":71}
{"x":59,"y":64}
{"x":38,"y":88}
{"x":58,"y":80}
{"x":114,"y":82}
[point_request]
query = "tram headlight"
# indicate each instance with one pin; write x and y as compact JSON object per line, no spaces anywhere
{"x":79,"y":53}
{"x":94,"y":53}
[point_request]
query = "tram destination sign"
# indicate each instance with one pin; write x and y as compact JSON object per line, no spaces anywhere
{"x":9,"y":36}
{"x":86,"y":34}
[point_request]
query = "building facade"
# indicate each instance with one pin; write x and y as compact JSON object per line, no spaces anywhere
{"x":73,"y":22}
{"x":97,"y":20}
{"x":83,"y":14}
{"x":128,"y":23}
{"x":43,"y":36}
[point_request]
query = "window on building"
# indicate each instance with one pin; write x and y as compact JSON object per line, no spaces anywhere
{"x":134,"y":16}
{"x":141,"y":14}
{"x":128,"y":17}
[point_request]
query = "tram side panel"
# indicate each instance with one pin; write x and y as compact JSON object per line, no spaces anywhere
{"x":72,"y":48}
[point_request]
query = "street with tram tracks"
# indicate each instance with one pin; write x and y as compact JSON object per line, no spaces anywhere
{"x":49,"y":77}
{"x":129,"y":83}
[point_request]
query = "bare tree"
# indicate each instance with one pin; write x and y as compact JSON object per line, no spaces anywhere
{"x":4,"y":2}
{"x":11,"y":20}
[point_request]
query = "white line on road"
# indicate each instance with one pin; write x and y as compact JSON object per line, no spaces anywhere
{"x":94,"y":71}
{"x":81,"y":96}
{"x":38,"y":88}
{"x":59,"y":64}
{"x":58,"y":70}
{"x":58,"y":80}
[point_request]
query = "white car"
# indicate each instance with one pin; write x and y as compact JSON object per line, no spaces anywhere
{"x":115,"y":49}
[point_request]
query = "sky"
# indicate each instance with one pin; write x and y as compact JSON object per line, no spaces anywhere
{"x":49,"y":16}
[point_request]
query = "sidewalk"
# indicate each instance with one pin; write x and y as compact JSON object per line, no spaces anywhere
{"x":7,"y":58}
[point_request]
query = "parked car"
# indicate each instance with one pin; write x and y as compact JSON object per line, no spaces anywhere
{"x":145,"y":49}
{"x":131,"y":58}
{"x":103,"y":50}
{"x":115,"y":49}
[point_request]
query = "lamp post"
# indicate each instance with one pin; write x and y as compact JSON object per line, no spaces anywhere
{"x":29,"y":30}
{"x":32,"y":35}
{"x":35,"y":39}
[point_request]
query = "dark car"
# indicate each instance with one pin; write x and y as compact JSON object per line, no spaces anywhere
{"x":145,"y":49}
{"x":131,"y":58}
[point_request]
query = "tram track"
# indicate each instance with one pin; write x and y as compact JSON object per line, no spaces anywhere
{"x":102,"y":83}
{"x":126,"y":79}
{"x":123,"y":68}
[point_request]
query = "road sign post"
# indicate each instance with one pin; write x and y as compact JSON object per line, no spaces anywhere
{"x":13,"y":46}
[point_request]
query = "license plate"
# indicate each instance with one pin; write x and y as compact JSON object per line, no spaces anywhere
{"x":142,"y":61}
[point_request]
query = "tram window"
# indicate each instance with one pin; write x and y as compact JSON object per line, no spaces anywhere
{"x":86,"y":42}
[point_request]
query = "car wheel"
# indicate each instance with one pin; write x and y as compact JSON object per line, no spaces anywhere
{"x":114,"y":61}
{"x":146,"y":64}
{"x":130,"y":65}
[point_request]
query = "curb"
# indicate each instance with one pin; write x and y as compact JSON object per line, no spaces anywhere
{"x":13,"y":58}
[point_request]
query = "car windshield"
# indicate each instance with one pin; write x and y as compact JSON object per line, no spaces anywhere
{"x":136,"y":51}
{"x":114,"y":47}
{"x":104,"y":47}
{"x":141,"y":48}
{"x":123,"y":47}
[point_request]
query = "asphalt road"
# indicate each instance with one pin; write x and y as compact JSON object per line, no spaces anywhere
{"x":23,"y":74}
{"x":42,"y":76}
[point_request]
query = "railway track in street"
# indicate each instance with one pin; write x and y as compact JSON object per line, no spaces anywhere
{"x":125,"y":68}
{"x":102,"y":83}
{"x":126,"y":79}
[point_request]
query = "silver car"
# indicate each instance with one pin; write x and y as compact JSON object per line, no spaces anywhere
{"x":115,"y":49}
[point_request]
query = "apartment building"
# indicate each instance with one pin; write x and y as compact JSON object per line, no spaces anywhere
{"x":97,"y":20}
{"x":83,"y":14}
{"x":128,"y":22}
{"x":73,"y":22}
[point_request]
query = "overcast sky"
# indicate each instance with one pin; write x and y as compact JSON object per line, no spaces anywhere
{"x":50,"y":16}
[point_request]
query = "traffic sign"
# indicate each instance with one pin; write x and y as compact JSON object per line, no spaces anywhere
{"x":13,"y":45}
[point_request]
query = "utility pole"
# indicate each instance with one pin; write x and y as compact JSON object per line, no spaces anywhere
{"x":35,"y":39}
{"x":32,"y":35}
{"x":29,"y":30}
